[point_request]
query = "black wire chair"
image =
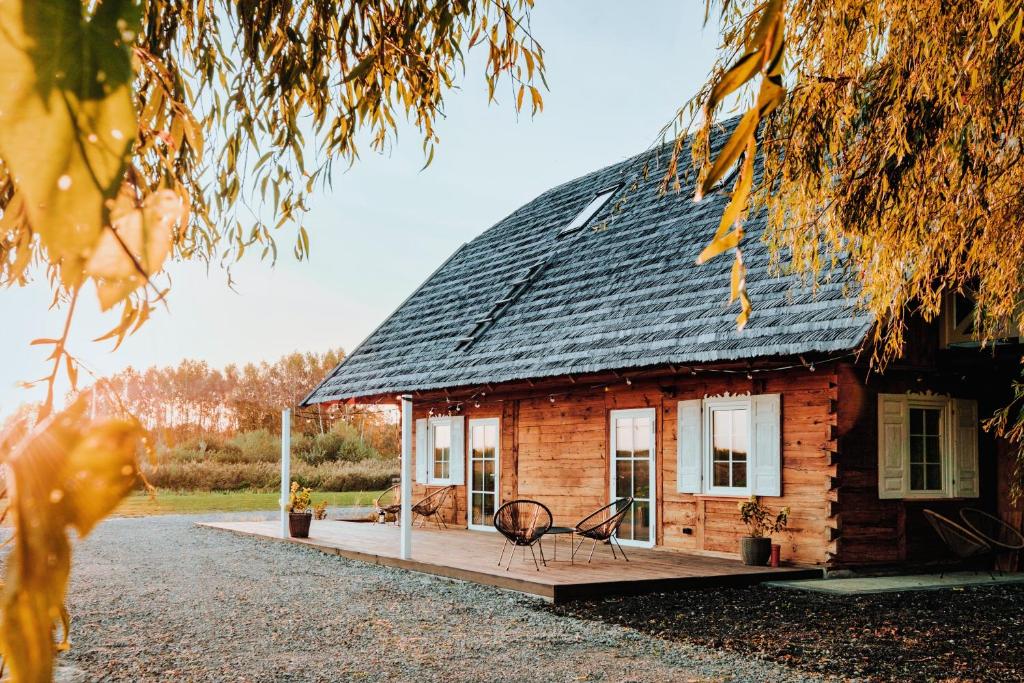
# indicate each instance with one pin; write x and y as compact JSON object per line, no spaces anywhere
{"x":601,"y":526}
{"x":1004,"y":539}
{"x":430,"y":507}
{"x":522,"y":523}
{"x":389,"y":503}
{"x":965,"y":543}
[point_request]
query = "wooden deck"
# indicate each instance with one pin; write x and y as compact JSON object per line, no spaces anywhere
{"x":473,"y":556}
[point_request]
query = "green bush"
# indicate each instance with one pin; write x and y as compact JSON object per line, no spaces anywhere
{"x":258,"y":446}
{"x":210,"y":475}
{"x":341,"y":444}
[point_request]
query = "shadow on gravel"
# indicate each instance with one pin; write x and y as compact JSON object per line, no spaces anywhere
{"x":967,"y":634}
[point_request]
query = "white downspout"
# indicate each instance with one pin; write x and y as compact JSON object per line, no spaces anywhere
{"x":405,"y":547}
{"x":286,"y":466}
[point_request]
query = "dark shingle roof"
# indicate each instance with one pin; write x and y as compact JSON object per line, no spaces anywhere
{"x":622,"y":293}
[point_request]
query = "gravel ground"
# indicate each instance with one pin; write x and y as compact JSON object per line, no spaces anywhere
{"x":968,"y":634}
{"x":161,"y":599}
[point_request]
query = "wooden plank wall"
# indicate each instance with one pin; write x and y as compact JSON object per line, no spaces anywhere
{"x":558,"y":453}
{"x":885,"y":532}
{"x":807,"y":400}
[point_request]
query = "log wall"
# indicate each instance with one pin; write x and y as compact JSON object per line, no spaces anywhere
{"x":558,"y":453}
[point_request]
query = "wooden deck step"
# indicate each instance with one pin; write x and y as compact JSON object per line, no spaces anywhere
{"x":473,"y":556}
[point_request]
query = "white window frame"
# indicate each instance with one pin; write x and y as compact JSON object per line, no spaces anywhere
{"x":958,"y":441}
{"x":652,"y":468}
{"x":596,"y":203}
{"x":482,"y":422}
{"x":432,"y":424}
{"x":708,"y":455}
{"x":947,"y":461}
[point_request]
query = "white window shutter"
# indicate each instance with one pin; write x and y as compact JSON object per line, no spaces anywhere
{"x":457,"y":467}
{"x":892,"y":445}
{"x":689,"y":446}
{"x":766,"y":444}
{"x":965,"y":448}
{"x":422,"y":456}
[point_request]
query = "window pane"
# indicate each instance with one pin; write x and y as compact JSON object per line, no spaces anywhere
{"x":916,"y":449}
{"x":931,"y":421}
{"x":739,"y":474}
{"x":721,"y":426}
{"x":489,"y":475}
{"x":916,"y":477}
{"x":623,"y":478}
{"x":626,"y":528}
{"x":641,"y":437}
{"x":478,"y":475}
{"x":491,"y":438}
{"x":933,"y":477}
{"x":641,"y":521}
{"x":720,"y":474}
{"x":442,"y":436}
{"x":917,"y":421}
{"x":642,"y":481}
{"x":478,"y":508}
{"x":933,"y":453}
{"x":740,"y":439}
{"x":624,"y":437}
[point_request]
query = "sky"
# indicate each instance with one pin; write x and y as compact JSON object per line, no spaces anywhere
{"x":617,"y":73}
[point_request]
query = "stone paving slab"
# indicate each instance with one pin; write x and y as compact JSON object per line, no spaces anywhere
{"x":894,"y":584}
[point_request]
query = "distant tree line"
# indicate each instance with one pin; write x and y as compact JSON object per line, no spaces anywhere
{"x":192,"y":399}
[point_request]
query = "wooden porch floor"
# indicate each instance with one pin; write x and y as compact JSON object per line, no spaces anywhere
{"x":473,"y":556}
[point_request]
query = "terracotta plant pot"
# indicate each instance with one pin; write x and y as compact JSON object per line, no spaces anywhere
{"x":755,"y":551}
{"x":298,"y":524}
{"x":776,"y":555}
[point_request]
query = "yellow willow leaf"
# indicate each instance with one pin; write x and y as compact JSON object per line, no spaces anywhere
{"x":773,"y":47}
{"x":770,"y":96}
{"x":538,"y":101}
{"x":719,"y":245}
{"x":67,"y":113}
{"x":745,"y":310}
{"x":740,"y":193}
{"x":772,"y":12}
{"x":741,"y":136}
{"x":362,"y":68}
{"x":66,"y":472}
{"x":736,"y":281}
{"x":739,"y":73}
{"x":136,"y":245}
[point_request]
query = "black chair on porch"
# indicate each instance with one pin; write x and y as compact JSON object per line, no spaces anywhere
{"x":965,"y":543}
{"x":522,"y":523}
{"x":1006,"y":541}
{"x":601,"y":526}
{"x":431,"y":507}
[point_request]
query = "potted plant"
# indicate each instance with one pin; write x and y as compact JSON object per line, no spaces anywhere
{"x":299,"y":513}
{"x":756,"y":549}
{"x":320,"y":510}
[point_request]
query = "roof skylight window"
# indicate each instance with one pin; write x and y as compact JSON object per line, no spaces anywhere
{"x":584,"y":216}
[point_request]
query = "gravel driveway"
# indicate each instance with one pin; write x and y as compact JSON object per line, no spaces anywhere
{"x":159,"y":598}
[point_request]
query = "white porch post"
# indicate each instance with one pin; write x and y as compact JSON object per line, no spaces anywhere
{"x":405,"y":547}
{"x":286,"y":466}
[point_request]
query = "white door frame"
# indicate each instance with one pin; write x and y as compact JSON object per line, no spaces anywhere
{"x":651,"y":415}
{"x":473,"y":422}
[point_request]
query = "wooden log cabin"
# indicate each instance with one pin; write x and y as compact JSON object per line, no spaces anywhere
{"x":574,"y":353}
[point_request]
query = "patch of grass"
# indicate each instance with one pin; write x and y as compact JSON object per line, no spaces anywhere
{"x":194,"y":502}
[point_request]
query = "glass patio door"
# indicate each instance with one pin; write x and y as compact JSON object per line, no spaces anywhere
{"x":483,"y":469}
{"x":633,"y":464}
